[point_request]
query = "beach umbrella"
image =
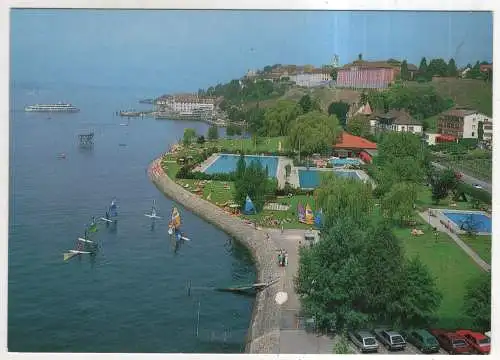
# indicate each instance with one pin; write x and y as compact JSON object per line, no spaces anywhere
{"x":281,"y":298}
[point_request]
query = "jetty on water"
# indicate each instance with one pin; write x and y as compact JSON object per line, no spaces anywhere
{"x":86,"y":137}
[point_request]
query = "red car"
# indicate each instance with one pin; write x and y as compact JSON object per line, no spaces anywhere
{"x":478,"y":342}
{"x":452,"y":342}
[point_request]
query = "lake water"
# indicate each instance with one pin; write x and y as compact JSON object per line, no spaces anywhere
{"x":132,"y":296}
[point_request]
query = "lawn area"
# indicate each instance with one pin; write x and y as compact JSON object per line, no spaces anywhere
{"x":451,"y":267}
{"x":424,"y":201}
{"x":248,"y":145}
{"x":481,"y":244}
{"x":263,"y":218}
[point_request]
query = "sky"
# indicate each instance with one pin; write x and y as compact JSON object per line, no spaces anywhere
{"x":187,"y":50}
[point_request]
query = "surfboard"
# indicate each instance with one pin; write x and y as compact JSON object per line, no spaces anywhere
{"x":107,"y":220}
{"x":152,"y":216}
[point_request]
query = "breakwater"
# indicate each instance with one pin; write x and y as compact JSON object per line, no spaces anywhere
{"x":264,"y":331}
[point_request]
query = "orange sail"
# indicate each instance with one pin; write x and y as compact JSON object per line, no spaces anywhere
{"x":175,"y":219}
{"x":309,"y":215}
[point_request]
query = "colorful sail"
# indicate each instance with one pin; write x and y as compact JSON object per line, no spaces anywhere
{"x":93,"y":226}
{"x":309,"y":215}
{"x":113,"y":209}
{"x":317,"y":219}
{"x":301,"y":212}
{"x":249,"y":206}
{"x":175,"y":219}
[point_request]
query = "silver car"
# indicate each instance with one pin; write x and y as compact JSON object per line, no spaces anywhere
{"x":364,"y":340}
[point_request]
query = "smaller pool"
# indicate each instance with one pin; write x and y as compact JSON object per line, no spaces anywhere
{"x":342,"y":162}
{"x":475,"y":221}
{"x":226,"y":163}
{"x":310,"y":179}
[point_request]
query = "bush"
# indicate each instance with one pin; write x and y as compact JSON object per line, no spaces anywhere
{"x":477,"y":194}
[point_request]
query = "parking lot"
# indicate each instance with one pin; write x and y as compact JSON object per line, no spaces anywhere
{"x":409,"y":350}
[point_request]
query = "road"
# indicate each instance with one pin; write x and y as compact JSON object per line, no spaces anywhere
{"x":468,"y":179}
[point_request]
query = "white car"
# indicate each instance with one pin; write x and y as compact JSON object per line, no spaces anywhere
{"x":477,"y":186}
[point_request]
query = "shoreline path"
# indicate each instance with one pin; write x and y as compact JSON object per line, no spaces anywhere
{"x":274,"y":329}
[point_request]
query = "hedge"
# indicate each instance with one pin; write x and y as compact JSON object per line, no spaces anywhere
{"x":477,"y":194}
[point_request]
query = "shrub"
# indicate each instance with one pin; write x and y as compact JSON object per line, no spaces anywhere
{"x":477,"y":194}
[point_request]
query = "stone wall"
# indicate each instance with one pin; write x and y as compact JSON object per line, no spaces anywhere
{"x":263,"y":335}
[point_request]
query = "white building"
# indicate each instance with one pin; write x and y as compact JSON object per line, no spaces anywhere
{"x":464,"y":124}
{"x":397,"y":120}
{"x":186,"y":104}
{"x":315,"y":78}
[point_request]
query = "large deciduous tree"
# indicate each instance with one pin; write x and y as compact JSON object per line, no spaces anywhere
{"x":189,"y":136}
{"x":452,"y":68}
{"x":399,"y":202}
{"x":340,"y":110}
{"x":253,"y":182}
{"x":309,"y":104}
{"x":477,"y":301}
{"x":313,"y":132}
{"x":278,"y":119}
{"x":213,"y":133}
{"x":358,"y":125}
{"x":405,"y":74}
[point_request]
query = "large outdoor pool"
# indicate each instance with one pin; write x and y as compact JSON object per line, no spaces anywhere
{"x":476,"y":221}
{"x":310,"y":179}
{"x":342,"y":162}
{"x":226,"y":163}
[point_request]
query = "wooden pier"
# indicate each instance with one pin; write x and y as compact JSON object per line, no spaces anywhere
{"x":86,"y":138}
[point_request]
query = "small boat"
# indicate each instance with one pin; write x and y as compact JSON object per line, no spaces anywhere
{"x":61,"y":156}
{"x":153,"y":215}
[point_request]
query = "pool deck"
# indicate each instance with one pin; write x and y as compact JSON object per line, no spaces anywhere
{"x":434,"y":221}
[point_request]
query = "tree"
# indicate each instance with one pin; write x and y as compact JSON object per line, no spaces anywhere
{"x":437,"y":67}
{"x":213,"y":133}
{"x":340,"y":110}
{"x":313,"y":132}
{"x":229,"y":130}
{"x":405,"y":74}
{"x":330,"y":279}
{"x":363,"y":98}
{"x":358,"y":125}
{"x":452,"y":68}
{"x":477,"y":301}
{"x":254,"y":182}
{"x":189,"y":135}
{"x":417,"y":296}
{"x":344,"y":198}
{"x":307,"y":104}
{"x":442,"y":182}
{"x":399,"y":201}
{"x":278,"y":119}
{"x":422,"y":69}
{"x":200,"y":140}
{"x":240,"y":167}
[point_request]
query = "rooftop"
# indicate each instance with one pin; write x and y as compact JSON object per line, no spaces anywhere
{"x":459,"y":112}
{"x":349,"y":141}
{"x":400,"y":117}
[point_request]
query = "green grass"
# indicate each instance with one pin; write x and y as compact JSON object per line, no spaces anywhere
{"x":449,"y":264}
{"x":424,"y":201}
{"x":290,"y":215}
{"x":481,"y":244}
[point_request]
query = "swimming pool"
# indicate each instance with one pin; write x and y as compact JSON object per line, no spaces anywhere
{"x":226,"y":163}
{"x":342,"y":162}
{"x":310,"y":179}
{"x":477,"y":221}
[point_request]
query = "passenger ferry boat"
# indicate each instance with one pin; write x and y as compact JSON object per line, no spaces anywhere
{"x":59,"y":107}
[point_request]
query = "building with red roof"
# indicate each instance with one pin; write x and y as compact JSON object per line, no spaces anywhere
{"x":349,"y":145}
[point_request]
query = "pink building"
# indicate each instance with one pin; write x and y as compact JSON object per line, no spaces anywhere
{"x":366,"y":75}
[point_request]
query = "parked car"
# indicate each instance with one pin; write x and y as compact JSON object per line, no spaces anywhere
{"x":364,"y":340}
{"x":392,"y":340}
{"x":422,"y":340}
{"x":451,"y":342}
{"x":477,"y":186}
{"x":478,"y":342}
